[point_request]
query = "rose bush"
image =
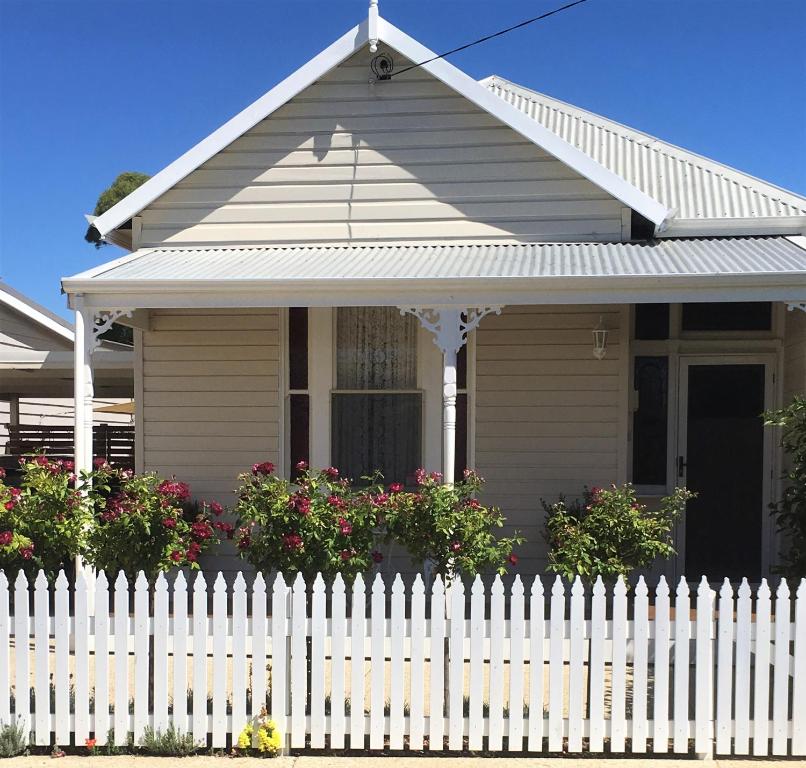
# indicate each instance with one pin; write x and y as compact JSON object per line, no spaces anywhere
{"x":609,"y":533}
{"x":43,"y":521}
{"x":144,"y":524}
{"x":447,"y":526}
{"x":320,"y":524}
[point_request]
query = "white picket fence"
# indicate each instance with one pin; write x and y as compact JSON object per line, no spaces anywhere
{"x":596,"y":672}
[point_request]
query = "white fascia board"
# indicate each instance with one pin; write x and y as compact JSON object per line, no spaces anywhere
{"x":154,"y":294}
{"x":34,"y":312}
{"x":756,"y":227}
{"x":286,"y":90}
{"x":481,"y":96}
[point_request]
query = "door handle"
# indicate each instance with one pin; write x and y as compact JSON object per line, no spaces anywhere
{"x":681,"y":466}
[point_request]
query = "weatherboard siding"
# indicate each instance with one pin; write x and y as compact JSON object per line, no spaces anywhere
{"x":548,"y":416}
{"x":404,"y":160}
{"x":211,"y":405}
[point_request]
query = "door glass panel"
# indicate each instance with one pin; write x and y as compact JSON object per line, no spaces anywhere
{"x":650,"y":421}
{"x":725,"y":464}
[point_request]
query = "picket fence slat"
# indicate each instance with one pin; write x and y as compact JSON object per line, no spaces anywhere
{"x":318,"y":664}
{"x":102,"y":671}
{"x":161,"y":654}
{"x":337,"y":669}
{"x":680,"y":708}
{"x":516,"y":667}
{"x":396,"y":667}
{"x":761,"y":679}
{"x":729,"y":681}
{"x":780,"y":682}
{"x":640,"y":676}
{"x":357,"y":664}
{"x":199,"y":659}
{"x":537,"y":630}
{"x":180,"y":650}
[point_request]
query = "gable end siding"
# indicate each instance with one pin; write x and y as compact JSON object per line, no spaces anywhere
{"x":404,"y":160}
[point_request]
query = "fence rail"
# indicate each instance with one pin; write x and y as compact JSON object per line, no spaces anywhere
{"x":498,"y":669}
{"x":114,"y":442}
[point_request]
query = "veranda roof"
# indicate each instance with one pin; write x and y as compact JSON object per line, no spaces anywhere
{"x":726,"y":269}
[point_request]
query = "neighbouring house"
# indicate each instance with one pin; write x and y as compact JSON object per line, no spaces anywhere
{"x":376,"y":265}
{"x":36,"y":384}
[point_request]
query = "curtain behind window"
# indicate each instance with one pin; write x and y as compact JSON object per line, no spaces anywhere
{"x":376,"y":351}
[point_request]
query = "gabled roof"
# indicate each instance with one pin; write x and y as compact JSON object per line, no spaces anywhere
{"x":36,"y":313}
{"x":702,"y":192}
{"x":331,"y":57}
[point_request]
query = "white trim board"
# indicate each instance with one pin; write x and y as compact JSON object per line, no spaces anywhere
{"x":332,"y":56}
{"x":35,"y":312}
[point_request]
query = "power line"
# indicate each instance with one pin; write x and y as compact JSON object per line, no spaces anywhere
{"x":490,"y":37}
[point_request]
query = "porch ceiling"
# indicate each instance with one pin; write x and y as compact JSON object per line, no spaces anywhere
{"x":728,"y":269}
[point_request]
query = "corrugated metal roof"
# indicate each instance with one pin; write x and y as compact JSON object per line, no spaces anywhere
{"x":682,"y":257}
{"x":692,"y":185}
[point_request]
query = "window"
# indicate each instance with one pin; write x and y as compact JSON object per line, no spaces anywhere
{"x":650,"y":421}
{"x":298,"y":398}
{"x":652,"y":321}
{"x":728,"y":316}
{"x":376,"y":408}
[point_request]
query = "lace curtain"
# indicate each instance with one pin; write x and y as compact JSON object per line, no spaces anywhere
{"x":376,"y":348}
{"x":376,"y":351}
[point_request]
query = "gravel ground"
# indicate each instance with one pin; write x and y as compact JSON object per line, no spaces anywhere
{"x":125,"y":761}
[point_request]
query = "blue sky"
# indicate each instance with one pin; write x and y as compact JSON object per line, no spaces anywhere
{"x":90,"y":88}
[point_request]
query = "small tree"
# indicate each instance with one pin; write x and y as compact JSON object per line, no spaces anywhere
{"x":790,"y":511}
{"x":446,"y":525}
{"x":121,"y":187}
{"x":609,"y":533}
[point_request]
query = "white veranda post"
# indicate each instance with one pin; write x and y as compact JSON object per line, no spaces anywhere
{"x":450,"y":326}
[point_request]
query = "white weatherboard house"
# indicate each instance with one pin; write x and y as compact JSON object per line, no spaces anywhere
{"x":289,"y":275}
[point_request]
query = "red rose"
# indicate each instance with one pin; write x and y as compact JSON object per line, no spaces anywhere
{"x":244,"y":542}
{"x":513,"y":559}
{"x":191,"y":556}
{"x":169,"y":522}
{"x":9,"y":505}
{"x":69,"y":466}
{"x":455,"y":546}
{"x":5,"y":538}
{"x":216,"y":508}
{"x":99,"y":462}
{"x":15,"y":493}
{"x":419,"y":476}
{"x":264,"y":468}
{"x":201,"y":530}
{"x":27,"y":552}
{"x":346,"y":554}
{"x":377,"y":556}
{"x":2,"y":473}
{"x":395,"y":487}
{"x":301,"y":466}
{"x":292,"y":541}
{"x":331,"y":472}
{"x":176,"y":556}
{"x":180,"y":491}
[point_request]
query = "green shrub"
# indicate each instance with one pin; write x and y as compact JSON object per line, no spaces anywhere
{"x":44,"y":520}
{"x":142,"y":525}
{"x":790,"y":510}
{"x":321,"y":524}
{"x":609,"y":533}
{"x":13,"y":740}
{"x":449,"y":527}
{"x":169,"y":743}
